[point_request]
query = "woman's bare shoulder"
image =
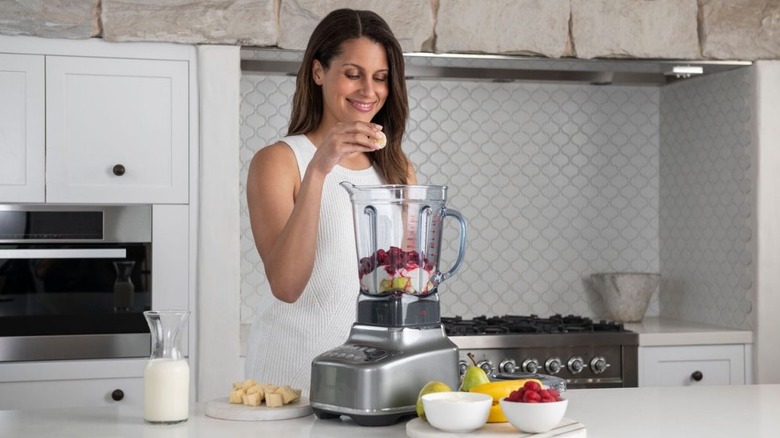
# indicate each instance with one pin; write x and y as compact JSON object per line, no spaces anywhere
{"x":274,"y":155}
{"x":274,"y":161}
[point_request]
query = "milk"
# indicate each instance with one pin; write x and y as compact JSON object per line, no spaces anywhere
{"x":166,"y":390}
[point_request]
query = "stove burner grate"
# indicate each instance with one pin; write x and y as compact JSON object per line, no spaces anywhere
{"x":512,"y":324}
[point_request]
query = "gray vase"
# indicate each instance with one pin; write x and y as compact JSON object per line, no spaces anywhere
{"x":625,"y":294}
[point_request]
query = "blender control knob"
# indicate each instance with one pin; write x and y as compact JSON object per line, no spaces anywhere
{"x":462,"y":367}
{"x":575,"y":364}
{"x":553,"y":365}
{"x":598,"y":364}
{"x":507,"y":366}
{"x":486,"y":365}
{"x":530,"y":365}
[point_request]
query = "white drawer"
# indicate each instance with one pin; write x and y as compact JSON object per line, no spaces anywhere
{"x":693,"y":365}
{"x":71,"y":393}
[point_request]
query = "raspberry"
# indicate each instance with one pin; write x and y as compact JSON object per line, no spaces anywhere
{"x":515,"y":396}
{"x":532,"y":397}
{"x":532,"y":386}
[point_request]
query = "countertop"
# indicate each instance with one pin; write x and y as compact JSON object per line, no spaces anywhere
{"x":655,"y":331}
{"x":691,"y":411}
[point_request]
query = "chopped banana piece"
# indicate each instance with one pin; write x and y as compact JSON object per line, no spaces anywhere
{"x":244,"y":384}
{"x":251,"y":399}
{"x":236,"y":396}
{"x":254,"y":388}
{"x":288,"y":394}
{"x":274,"y":400}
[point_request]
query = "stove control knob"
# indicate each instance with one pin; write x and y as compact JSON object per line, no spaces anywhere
{"x":598,"y":364}
{"x":507,"y":366}
{"x":575,"y":364}
{"x":530,"y":365}
{"x":487,"y":366}
{"x":553,"y":365}
{"x":462,"y":367}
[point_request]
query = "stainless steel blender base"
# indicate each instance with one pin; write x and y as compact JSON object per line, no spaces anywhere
{"x":375,"y":377}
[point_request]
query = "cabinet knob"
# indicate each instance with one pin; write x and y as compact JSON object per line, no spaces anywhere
{"x":697,"y":376}
{"x":117,"y":395}
{"x":119,"y":170}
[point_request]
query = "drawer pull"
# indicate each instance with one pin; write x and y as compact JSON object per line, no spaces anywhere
{"x":697,"y":376}
{"x":119,"y":170}
{"x":117,"y":395}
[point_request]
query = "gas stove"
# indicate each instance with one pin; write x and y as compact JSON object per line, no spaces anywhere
{"x":586,"y":353}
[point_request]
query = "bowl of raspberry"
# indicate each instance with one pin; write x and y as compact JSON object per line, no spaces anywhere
{"x":533,"y":408}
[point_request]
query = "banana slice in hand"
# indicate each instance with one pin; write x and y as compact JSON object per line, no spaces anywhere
{"x":382,"y":140}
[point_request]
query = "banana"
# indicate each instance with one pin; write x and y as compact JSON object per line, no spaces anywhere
{"x":498,"y":390}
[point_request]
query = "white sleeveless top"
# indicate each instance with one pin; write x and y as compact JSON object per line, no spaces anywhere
{"x":286,"y":337}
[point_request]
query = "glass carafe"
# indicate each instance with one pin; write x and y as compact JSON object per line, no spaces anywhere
{"x":124,"y":290}
{"x":167,"y":373}
{"x":398,"y":231}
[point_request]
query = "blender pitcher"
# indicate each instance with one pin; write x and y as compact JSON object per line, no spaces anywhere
{"x":398,"y":230}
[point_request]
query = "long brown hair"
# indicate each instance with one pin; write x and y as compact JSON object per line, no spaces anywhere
{"x":325,"y":43}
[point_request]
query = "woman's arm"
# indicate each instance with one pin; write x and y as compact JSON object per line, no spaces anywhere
{"x":284,"y":206}
{"x":284,"y":214}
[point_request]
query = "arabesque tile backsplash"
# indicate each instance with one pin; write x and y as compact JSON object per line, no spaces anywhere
{"x":557,"y":181}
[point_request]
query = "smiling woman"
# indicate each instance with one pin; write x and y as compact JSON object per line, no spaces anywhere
{"x":350,"y":101}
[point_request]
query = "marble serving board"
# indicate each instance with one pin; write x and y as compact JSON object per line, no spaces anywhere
{"x":568,"y":428}
{"x":221,"y":408}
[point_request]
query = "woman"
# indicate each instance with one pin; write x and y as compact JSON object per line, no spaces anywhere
{"x":350,"y":93}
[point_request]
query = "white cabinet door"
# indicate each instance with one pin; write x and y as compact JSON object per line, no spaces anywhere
{"x":117,"y":130}
{"x":693,"y":365}
{"x":21,"y":128}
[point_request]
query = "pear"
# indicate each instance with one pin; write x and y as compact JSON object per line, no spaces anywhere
{"x":432,"y":386}
{"x":474,"y":375}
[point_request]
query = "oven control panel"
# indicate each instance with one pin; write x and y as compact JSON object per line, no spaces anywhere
{"x":581,"y":367}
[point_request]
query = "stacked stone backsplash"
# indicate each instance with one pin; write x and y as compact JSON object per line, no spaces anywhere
{"x":664,"y":29}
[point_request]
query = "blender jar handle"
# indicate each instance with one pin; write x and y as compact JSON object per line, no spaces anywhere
{"x":461,"y":245}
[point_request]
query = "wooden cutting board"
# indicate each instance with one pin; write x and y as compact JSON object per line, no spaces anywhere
{"x":418,"y":428}
{"x":222,"y":409}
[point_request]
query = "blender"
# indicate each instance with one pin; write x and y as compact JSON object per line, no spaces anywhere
{"x":398,"y":343}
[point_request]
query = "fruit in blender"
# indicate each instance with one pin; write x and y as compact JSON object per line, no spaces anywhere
{"x":395,"y":271}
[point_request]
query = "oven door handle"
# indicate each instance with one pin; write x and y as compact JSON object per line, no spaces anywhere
{"x":83,"y":253}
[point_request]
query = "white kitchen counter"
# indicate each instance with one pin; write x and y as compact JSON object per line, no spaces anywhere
{"x":701,"y":411}
{"x":654,"y":331}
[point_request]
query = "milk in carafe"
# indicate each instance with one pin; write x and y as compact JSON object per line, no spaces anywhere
{"x":167,"y":373}
{"x":166,"y":390}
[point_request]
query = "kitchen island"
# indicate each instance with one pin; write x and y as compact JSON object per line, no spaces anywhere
{"x":702,"y":411}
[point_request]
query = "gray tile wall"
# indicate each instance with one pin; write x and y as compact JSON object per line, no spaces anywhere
{"x":556,"y":181}
{"x":707,"y":210}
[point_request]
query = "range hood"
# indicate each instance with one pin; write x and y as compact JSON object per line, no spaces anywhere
{"x":499,"y":68}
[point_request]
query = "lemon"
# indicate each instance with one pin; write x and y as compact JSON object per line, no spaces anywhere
{"x":432,"y":386}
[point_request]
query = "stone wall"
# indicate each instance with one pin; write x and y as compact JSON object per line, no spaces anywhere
{"x":667,"y":29}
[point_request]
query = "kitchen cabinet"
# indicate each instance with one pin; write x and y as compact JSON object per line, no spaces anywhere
{"x":93,"y":122}
{"x":682,"y":353}
{"x":51,"y":384}
{"x":693,"y":365}
{"x":21,"y":128}
{"x":117,"y":130}
{"x":117,"y":122}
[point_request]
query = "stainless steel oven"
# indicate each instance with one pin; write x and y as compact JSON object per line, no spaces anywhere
{"x":585,"y":353}
{"x":74,"y":281}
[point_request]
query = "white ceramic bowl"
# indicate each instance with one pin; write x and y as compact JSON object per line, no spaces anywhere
{"x":534,"y":417}
{"x":457,"y":411}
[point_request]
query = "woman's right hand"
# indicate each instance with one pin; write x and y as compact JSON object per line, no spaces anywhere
{"x":344,"y":140}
